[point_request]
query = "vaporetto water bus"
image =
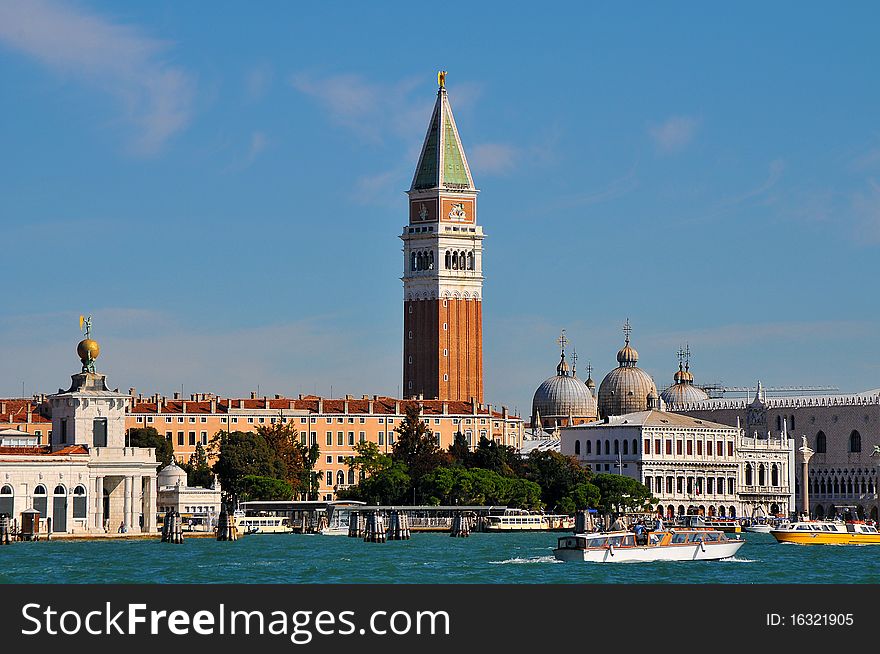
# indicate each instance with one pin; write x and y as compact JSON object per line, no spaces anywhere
{"x":522,"y":520}
{"x":266,"y":524}
{"x":823,"y":532}
{"x":668,"y":545}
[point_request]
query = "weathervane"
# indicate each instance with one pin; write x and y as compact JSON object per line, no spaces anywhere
{"x":687,"y":357}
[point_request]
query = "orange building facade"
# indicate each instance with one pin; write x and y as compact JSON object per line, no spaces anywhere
{"x":443,"y":264}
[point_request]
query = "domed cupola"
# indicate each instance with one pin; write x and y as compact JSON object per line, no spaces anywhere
{"x":563,"y":397}
{"x":683,"y":390}
{"x":171,"y":475}
{"x":627,"y":388}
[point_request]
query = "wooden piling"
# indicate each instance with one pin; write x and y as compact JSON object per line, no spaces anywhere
{"x":461,"y":525}
{"x":582,"y":522}
{"x":226,"y":529}
{"x":375,"y":528}
{"x":172,"y":528}
{"x":5,"y":529}
{"x":355,"y":524}
{"x":398,"y":526}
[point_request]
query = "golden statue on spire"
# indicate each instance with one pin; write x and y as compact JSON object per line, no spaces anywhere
{"x":87,"y":349}
{"x":441,"y":79}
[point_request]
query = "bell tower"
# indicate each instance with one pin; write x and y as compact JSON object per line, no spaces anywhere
{"x":443,"y":269}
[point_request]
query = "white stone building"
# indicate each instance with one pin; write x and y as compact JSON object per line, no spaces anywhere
{"x":690,"y":465}
{"x":842,"y":430}
{"x":86,"y":480}
{"x":192,"y":502}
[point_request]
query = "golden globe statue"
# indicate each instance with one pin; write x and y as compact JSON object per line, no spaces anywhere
{"x":88,"y":350}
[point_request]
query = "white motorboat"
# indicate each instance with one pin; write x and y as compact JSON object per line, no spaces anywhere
{"x":758,"y":528}
{"x":668,"y":545}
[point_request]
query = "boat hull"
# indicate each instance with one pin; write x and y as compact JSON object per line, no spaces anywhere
{"x":825,"y":538}
{"x":759,"y":529}
{"x":683,"y":552}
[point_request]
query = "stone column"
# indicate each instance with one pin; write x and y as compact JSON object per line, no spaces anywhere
{"x":126,"y":501}
{"x":137,"y":503}
{"x":805,"y":453}
{"x":150,"y":505}
{"x":98,"y":503}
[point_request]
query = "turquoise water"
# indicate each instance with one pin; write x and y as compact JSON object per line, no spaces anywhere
{"x":427,"y":558}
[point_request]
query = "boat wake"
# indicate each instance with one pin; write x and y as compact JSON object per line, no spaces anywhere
{"x":521,"y":561}
{"x":735,"y":559}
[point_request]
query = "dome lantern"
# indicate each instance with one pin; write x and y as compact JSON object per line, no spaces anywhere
{"x":627,"y":388}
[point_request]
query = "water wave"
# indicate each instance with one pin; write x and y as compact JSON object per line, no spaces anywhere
{"x":735,"y":559}
{"x":536,"y":559}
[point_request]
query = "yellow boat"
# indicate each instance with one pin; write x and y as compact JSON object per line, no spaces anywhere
{"x":818,"y":532}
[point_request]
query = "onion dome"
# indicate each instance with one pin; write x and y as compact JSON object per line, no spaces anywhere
{"x":590,"y":383}
{"x":562,"y":398}
{"x":171,"y":475}
{"x":626,"y":388}
{"x":683,"y":390}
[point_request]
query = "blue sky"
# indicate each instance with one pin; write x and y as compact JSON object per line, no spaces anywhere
{"x":222,"y":187}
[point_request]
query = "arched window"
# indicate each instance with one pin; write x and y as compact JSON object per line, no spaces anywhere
{"x":587,"y":443}
{"x":598,"y":447}
{"x":7,"y":500}
{"x":41,"y":502}
{"x":351,"y":476}
{"x":774,"y":475}
{"x":420,"y":262}
{"x":791,"y":423}
{"x":855,"y":441}
{"x":340,"y":478}
{"x":470,"y":260}
{"x":607,"y":447}
{"x":412,"y":265}
{"x":821,"y":443}
{"x":577,"y":446}
{"x":461,"y":261}
{"x":625,"y":446}
{"x":431,"y":260}
{"x":455,"y":260}
{"x":748,"y":474}
{"x":79,"y":502}
{"x":778,"y":423}
{"x":761,"y":476}
{"x":447,"y":260}
{"x":60,"y":490}
{"x":616,"y":446}
{"x":635,"y":449}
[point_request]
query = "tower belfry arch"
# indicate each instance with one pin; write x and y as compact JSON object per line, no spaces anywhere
{"x":443,"y":334}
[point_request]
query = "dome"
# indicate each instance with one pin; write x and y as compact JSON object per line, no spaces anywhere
{"x":170,"y":475}
{"x":563,"y":395}
{"x":683,"y":393}
{"x":627,"y":388}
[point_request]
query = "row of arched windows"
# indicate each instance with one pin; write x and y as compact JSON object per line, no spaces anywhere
{"x":459,"y":260}
{"x":721,"y":511}
{"x":790,"y":423}
{"x":691,"y":485}
{"x":762,"y":475}
{"x":855,"y":442}
{"x":422,"y":260}
{"x":41,"y":499}
{"x":842,"y":486}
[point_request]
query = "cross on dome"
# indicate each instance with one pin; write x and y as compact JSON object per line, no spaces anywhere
{"x":627,"y":330}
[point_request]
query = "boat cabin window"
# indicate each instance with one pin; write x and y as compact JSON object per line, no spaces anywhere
{"x":695,"y":538}
{"x":615,"y":541}
{"x":711,"y":537}
{"x":627,"y":540}
{"x":679,"y":538}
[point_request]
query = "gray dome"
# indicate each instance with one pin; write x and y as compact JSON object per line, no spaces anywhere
{"x":683,"y":393}
{"x":170,"y":475}
{"x":627,"y":388}
{"x":563,"y":395}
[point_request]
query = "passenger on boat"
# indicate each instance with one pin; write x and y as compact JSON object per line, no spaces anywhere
{"x":641,"y":535}
{"x":658,"y":524}
{"x":619,"y":524}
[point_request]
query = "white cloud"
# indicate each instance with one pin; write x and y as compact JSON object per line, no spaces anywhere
{"x":492,"y":158}
{"x":674,"y":133}
{"x":156,"y":97}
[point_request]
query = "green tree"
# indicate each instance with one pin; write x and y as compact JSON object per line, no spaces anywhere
{"x":299,"y":459}
{"x":559,"y":477}
{"x":460,"y":452}
{"x":369,"y":459}
{"x":391,"y":485}
{"x":255,"y":487}
{"x":198,"y":472}
{"x":243,"y":453}
{"x":621,"y":493}
{"x":416,"y":447}
{"x":149,"y":437}
{"x":490,"y":455}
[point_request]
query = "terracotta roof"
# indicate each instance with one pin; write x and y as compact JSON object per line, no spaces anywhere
{"x":43,"y":450}
{"x":654,"y":418}
{"x":310,"y":403}
{"x":17,"y":411}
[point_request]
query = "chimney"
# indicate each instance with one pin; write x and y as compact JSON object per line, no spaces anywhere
{"x":370,"y":407}
{"x":131,"y":391}
{"x":213,"y":405}
{"x":29,"y":412}
{"x":277,"y":396}
{"x":300,"y":396}
{"x":193,"y":397}
{"x":241,"y":404}
{"x":348,"y":396}
{"x":504,"y":412}
{"x":265,"y":402}
{"x":345,"y":405}
{"x":445,"y":408}
{"x":474,"y":404}
{"x":253,"y":395}
{"x":183,"y":410}
{"x":375,"y":397}
{"x":397,"y":407}
{"x":140,"y":398}
{"x":320,"y":405}
{"x":176,"y":395}
{"x":365,"y":397}
{"x":3,"y":407}
{"x":159,"y":402}
{"x":291,"y":404}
